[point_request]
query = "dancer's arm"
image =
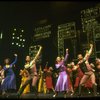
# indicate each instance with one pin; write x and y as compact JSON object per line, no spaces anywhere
{"x":36,"y":57}
{"x":75,"y":67}
{"x":88,"y":53}
{"x":63,"y":62}
{"x":58,"y":65}
{"x":14,"y":60}
{"x":66,"y":56}
{"x":2,"y":74}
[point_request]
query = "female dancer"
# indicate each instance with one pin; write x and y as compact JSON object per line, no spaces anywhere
{"x":48,"y":78}
{"x":40,"y":83}
{"x":70,"y":86}
{"x":78,"y":74}
{"x":62,"y":82}
{"x":24,"y":73}
{"x":30,"y":66}
{"x":98,"y":74}
{"x":10,"y":80}
{"x":1,"y":77}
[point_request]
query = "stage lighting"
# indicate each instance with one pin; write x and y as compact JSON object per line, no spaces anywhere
{"x":19,"y":45}
{"x":23,"y":39}
{"x":20,"y":39}
{"x":17,"y":37}
{"x":20,"y":35}
{"x":22,"y":45}
{"x":22,"y":30}
{"x":12,"y":43}
{"x":1,"y":35}
{"x":16,"y":43}
{"x":13,"y":33}
{"x":14,"y":29}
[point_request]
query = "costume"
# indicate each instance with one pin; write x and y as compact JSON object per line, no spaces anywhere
{"x":32,"y":76}
{"x":70,"y":86}
{"x":48,"y":78}
{"x":88,"y":74}
{"x":10,"y":79}
{"x":24,"y":75}
{"x":62,"y":81}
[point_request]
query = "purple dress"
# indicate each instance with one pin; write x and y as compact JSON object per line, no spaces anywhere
{"x":10,"y":80}
{"x":62,"y":81}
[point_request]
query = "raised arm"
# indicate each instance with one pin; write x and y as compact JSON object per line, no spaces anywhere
{"x":66,"y":56}
{"x":14,"y":60}
{"x":88,"y":53}
{"x":37,"y":55}
{"x":63,"y":62}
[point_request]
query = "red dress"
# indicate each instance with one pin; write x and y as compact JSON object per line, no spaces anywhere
{"x":69,"y":71}
{"x":88,"y":84}
{"x":80,"y":74}
{"x":49,"y":83}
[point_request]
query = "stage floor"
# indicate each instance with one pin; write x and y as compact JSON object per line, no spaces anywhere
{"x":47,"y":96}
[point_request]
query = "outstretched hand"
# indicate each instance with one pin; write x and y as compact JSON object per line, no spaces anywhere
{"x":39,"y":46}
{"x":66,"y":50}
{"x":91,"y":45}
{"x":15,"y":55}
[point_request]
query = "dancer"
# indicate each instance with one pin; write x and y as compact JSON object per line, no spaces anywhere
{"x":40,"y":83}
{"x":87,"y":70}
{"x":98,"y":74}
{"x":30,"y":66}
{"x":1,"y":77}
{"x":24,"y":73}
{"x":70,"y":86}
{"x":9,"y":80}
{"x":62,"y":82}
{"x":78,"y":74}
{"x":48,"y":79}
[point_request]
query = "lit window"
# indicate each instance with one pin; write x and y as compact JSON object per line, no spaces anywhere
{"x":19,"y":45}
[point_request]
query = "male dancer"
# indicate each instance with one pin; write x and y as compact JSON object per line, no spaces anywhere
{"x":31,"y":67}
{"x":87,"y":70}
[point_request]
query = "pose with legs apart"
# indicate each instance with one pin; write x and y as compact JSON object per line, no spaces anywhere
{"x":30,"y":66}
{"x":87,"y":69}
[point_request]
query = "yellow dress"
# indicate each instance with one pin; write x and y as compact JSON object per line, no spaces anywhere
{"x":40,"y":83}
{"x":27,"y":89}
{"x":40,"y":88}
{"x":44,"y":87}
{"x":24,"y":78}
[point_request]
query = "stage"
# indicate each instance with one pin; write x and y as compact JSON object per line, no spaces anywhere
{"x":47,"y":96}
